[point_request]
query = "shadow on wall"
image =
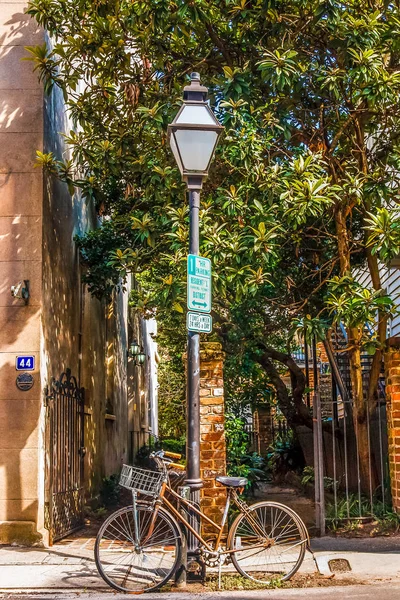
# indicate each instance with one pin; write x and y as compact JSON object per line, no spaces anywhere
{"x":73,"y":322}
{"x":18,"y":27}
{"x":76,"y":326}
{"x":20,"y":256}
{"x":19,"y":86}
{"x":116,"y":431}
{"x":19,"y":420}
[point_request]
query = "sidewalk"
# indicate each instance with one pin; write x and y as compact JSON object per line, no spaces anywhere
{"x":70,"y":565}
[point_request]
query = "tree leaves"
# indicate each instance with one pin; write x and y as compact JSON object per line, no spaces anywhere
{"x":303,"y":183}
{"x":280,"y":66}
{"x":384,"y":233}
{"x":356,"y":306}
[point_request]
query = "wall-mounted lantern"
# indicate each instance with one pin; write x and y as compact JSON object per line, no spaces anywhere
{"x":136,"y":352}
{"x":21,"y":290}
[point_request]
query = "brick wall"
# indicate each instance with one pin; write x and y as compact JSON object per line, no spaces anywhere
{"x":212,"y":430}
{"x":392,"y":369}
{"x":321,"y":353}
{"x":262,"y":421}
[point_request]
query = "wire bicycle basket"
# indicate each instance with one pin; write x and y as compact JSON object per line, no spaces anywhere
{"x":142,"y":480}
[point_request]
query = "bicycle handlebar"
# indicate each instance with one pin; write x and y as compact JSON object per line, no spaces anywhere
{"x":177,"y":466}
{"x":172,"y":454}
{"x":162,"y":457}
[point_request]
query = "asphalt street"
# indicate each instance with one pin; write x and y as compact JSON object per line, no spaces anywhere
{"x":376,"y":591}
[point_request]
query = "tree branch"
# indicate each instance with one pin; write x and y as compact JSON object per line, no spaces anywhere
{"x":218,"y":42}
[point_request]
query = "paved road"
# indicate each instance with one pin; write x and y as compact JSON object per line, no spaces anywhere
{"x":378,"y":591}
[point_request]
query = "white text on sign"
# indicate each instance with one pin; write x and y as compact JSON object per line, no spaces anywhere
{"x":199,"y":283}
{"x":198,"y":322}
{"x":25,"y":363}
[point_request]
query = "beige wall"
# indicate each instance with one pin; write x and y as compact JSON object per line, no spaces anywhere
{"x":63,"y":326}
{"x":21,"y":131}
{"x":140,"y":383}
{"x":79,"y":331}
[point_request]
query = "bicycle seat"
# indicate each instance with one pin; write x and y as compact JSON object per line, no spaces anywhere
{"x":232,"y":481}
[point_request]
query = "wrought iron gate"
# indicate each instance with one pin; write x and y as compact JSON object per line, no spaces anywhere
{"x":348,"y":485}
{"x":64,"y":456}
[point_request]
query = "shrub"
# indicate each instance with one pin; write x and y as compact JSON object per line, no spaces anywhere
{"x":110,"y":491}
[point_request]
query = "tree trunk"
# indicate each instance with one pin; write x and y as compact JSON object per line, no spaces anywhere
{"x":359,"y":414}
{"x":282,"y":393}
{"x":292,"y":406}
{"x":376,"y":365}
{"x":354,"y":334}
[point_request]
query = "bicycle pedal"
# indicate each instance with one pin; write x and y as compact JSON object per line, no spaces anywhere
{"x":196,"y":571}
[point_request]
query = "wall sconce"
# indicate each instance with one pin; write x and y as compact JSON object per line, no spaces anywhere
{"x":134,"y":349}
{"x":21,"y":290}
{"x":136,"y":352}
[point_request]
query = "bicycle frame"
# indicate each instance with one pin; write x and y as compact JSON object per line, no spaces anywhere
{"x":161,"y":516}
{"x":231,"y":496}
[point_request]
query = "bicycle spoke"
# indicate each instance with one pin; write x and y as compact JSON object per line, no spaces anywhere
{"x":282,"y":538}
{"x":135,"y":569}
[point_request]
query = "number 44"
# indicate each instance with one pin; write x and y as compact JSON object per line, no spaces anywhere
{"x":25,"y":363}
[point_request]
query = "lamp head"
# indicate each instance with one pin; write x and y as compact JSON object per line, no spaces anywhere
{"x":141,"y":357}
{"x":194,"y":133}
{"x":195,"y":91}
{"x":134,"y":349}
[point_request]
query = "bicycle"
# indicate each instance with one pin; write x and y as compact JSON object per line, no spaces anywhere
{"x":138,"y":548}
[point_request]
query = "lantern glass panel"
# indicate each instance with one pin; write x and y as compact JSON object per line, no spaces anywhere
{"x":141,"y":358}
{"x":175,"y":152}
{"x":134,"y":349}
{"x":196,"y":114}
{"x":196,"y":148}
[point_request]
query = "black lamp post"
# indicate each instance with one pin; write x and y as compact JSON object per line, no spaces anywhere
{"x":193,"y":136}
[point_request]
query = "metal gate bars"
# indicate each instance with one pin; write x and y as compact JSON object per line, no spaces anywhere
{"x":64,"y":456}
{"x":350,"y":451}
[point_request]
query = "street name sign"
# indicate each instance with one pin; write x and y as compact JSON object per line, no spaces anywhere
{"x":198,"y":283}
{"x":25,"y":363}
{"x":198,"y":322}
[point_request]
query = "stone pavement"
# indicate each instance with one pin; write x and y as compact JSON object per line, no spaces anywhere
{"x":69,"y":565}
{"x":374,"y":591}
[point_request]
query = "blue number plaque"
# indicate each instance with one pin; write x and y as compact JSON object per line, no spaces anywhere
{"x":25,"y":363}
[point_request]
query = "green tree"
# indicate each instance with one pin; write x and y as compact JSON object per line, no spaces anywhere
{"x":304,"y":182}
{"x":171,"y":382}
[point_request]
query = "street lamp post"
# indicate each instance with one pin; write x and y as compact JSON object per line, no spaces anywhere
{"x":193,"y":136}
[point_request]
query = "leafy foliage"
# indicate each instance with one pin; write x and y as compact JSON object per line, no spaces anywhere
{"x":110,"y":491}
{"x":356,"y":306}
{"x":308,"y":477}
{"x":245,"y":384}
{"x":348,"y":512}
{"x":283,"y":456}
{"x":296,"y":198}
{"x":237,"y":444}
{"x":172,"y":399}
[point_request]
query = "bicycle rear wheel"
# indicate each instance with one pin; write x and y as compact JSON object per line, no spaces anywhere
{"x":270,"y":542}
{"x":147,"y":567}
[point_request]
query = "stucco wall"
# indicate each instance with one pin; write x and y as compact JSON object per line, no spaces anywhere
{"x":21,"y":131}
{"x":142,"y":385}
{"x":63,"y":325}
{"x":80,"y":332}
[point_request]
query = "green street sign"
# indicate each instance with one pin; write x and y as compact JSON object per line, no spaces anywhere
{"x":198,"y":283}
{"x":198,"y":322}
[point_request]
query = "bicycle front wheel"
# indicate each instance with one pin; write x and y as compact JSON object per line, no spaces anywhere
{"x":142,"y":567}
{"x":269,"y":542}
